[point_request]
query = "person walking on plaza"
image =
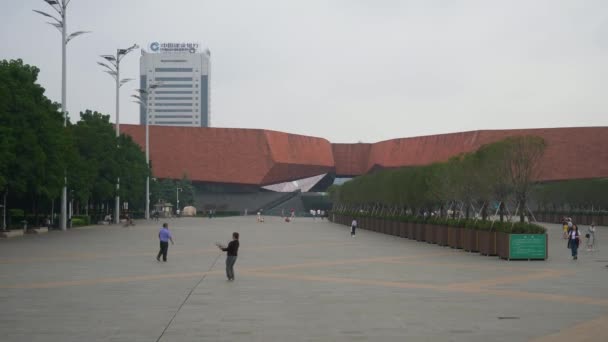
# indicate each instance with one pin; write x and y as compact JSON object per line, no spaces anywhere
{"x":232,"y":251}
{"x":353,"y":228}
{"x":164,"y":235}
{"x":573,"y":241}
{"x":590,"y":237}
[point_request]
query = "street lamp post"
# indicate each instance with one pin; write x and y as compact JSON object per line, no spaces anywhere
{"x":61,"y":6}
{"x":142,"y":99}
{"x":177,"y":190}
{"x":113,"y":68}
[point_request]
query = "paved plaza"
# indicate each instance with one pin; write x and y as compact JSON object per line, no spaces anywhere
{"x":301,"y":281}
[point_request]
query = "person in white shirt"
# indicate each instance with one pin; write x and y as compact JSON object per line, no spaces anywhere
{"x":353,"y":228}
{"x":590,"y":237}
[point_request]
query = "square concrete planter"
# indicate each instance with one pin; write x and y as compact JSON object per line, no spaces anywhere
{"x":396,"y":226}
{"x":411,"y":230}
{"x":390,"y":227}
{"x":487,"y":242}
{"x":454,"y":237}
{"x":469,"y":240}
{"x":403,"y":229}
{"x":369,"y":223}
{"x":441,"y":235}
{"x":373,"y":224}
{"x":429,"y":233}
{"x":387,"y":227}
{"x":420,"y":231}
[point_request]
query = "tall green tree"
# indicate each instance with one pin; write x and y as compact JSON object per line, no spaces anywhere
{"x":95,"y":165}
{"x":133,"y":170}
{"x":165,"y":190}
{"x":34,"y":141}
{"x":523,"y":158}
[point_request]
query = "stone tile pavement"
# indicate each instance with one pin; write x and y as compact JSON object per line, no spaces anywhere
{"x":301,"y":281}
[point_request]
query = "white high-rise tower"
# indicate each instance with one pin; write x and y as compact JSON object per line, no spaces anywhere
{"x":182,"y":97}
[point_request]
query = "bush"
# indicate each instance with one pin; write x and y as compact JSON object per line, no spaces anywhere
{"x":455,"y":223}
{"x":86,"y":220}
{"x":519,"y":228}
{"x":78,"y":222}
{"x":484,"y":225}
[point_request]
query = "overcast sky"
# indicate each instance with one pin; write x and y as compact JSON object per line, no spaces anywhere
{"x":345,"y":70}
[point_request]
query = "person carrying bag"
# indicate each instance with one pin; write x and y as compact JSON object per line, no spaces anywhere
{"x":574,"y":241}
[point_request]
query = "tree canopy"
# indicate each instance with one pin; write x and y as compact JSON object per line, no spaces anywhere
{"x":38,"y":154}
{"x":495,"y":173}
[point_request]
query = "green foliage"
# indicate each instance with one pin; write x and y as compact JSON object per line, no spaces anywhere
{"x":86,"y":220}
{"x":492,"y":174}
{"x":166,"y":190}
{"x":572,"y":196}
{"x":36,"y":149}
{"x":519,"y":228}
{"x":33,"y":147}
{"x":133,"y":169}
{"x":94,"y":166}
{"x":78,"y":222}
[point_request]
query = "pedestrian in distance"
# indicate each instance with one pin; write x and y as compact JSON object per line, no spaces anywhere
{"x":574,"y":241}
{"x":164,"y":235}
{"x":590,"y":237}
{"x":232,"y":251}
{"x":565,"y":228}
{"x":353,"y":228}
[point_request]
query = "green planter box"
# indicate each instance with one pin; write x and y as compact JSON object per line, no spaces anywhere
{"x":521,"y":246}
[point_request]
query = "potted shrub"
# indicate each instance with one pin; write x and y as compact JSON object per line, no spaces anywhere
{"x":454,"y":226}
{"x":486,"y":234}
{"x":420,"y":227}
{"x":429,"y":231}
{"x":397,"y":225}
{"x":441,"y":231}
{"x":411,"y":227}
{"x":469,"y":235}
{"x":403,"y":226}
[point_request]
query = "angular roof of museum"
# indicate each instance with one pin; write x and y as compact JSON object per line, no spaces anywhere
{"x":263,"y":157}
